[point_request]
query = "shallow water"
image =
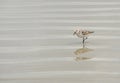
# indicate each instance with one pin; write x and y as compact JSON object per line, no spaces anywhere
{"x":37,"y":45}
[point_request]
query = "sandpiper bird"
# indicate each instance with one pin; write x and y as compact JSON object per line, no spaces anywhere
{"x":82,"y":34}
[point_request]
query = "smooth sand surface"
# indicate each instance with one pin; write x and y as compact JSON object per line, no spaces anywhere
{"x":37,"y":45}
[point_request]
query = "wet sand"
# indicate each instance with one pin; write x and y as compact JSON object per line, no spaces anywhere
{"x":37,"y":45}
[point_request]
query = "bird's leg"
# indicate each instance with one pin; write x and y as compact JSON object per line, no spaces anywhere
{"x":83,"y":42}
{"x":86,"y":38}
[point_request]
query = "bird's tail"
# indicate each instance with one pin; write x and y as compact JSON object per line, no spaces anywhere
{"x":91,"y":31}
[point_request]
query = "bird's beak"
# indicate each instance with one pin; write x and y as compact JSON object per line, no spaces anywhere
{"x":74,"y":33}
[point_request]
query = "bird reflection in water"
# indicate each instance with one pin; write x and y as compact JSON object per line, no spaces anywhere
{"x":80,"y":51}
